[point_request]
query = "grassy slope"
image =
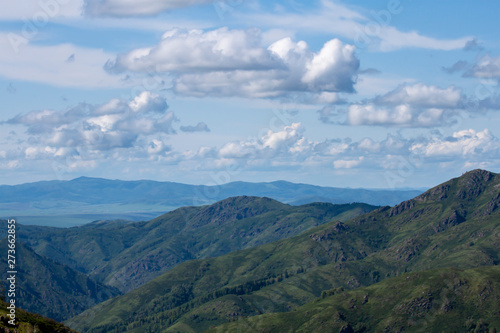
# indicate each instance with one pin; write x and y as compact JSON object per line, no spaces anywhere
{"x":443,"y":300}
{"x":127,"y":255}
{"x":454,"y":224}
{"x":29,"y":322}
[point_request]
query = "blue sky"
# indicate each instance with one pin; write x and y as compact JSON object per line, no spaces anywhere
{"x":384,"y":94}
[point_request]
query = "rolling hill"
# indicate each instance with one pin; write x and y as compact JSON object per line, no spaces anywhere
{"x":455,"y":225}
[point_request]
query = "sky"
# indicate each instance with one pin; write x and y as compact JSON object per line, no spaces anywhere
{"x":378,"y":94}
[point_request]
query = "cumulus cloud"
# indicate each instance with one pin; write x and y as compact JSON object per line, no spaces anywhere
{"x":422,"y":95}
{"x":148,"y":102}
{"x":416,"y":105}
{"x":291,"y":147}
{"x":289,"y":140}
{"x":45,"y":120}
{"x":466,"y":143}
{"x":195,"y":50}
{"x":288,"y":145}
{"x":112,"y":125}
{"x":125,"y":8}
{"x":225,"y":62}
{"x":347,"y":164}
{"x":486,"y":68}
{"x":372,"y":115}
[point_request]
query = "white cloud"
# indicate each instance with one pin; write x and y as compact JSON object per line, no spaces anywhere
{"x":287,"y":142}
{"x":466,"y":143}
{"x":372,"y":115}
{"x":148,"y":102}
{"x":326,"y":98}
{"x":283,"y":139}
{"x":195,"y":50}
{"x":486,"y":68}
{"x":347,"y":164}
{"x":157,"y":147}
{"x":225,"y":62}
{"x":368,"y":144}
{"x":416,"y":105}
{"x":291,"y":147}
{"x":14,"y":164}
{"x":422,"y":95}
{"x":332,"y":68}
{"x":112,"y":125}
{"x":105,"y":122}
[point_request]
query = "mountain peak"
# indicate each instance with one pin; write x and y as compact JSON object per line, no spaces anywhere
{"x":466,"y":187}
{"x":237,"y":208}
{"x":477,"y":175}
{"x":473,"y":189}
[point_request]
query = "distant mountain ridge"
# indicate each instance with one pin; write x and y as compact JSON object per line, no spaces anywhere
{"x":84,"y":199}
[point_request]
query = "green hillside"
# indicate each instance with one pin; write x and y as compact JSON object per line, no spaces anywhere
{"x":456,"y":224}
{"x":27,"y":322}
{"x":52,"y":289}
{"x":443,"y":300}
{"x":126,"y":255}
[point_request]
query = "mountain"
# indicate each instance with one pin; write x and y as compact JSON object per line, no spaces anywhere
{"x":29,"y":322}
{"x":453,"y":225}
{"x":81,"y":200}
{"x":125,"y":255}
{"x":50,"y":288}
{"x":443,"y":300}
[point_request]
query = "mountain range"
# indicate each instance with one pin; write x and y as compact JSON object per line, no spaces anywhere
{"x":254,"y":264}
{"x":82,"y":200}
{"x":447,"y":232}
